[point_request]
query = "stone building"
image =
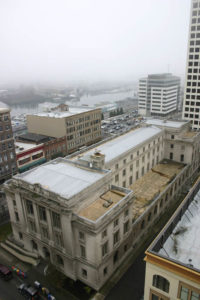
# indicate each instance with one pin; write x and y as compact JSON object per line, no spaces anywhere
{"x":75,"y":211}
{"x":72,"y":216}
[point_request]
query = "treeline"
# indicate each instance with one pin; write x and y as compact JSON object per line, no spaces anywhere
{"x":117,"y":112}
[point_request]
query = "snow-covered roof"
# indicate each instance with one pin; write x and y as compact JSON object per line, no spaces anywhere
{"x":62,"y":114}
{"x":165,"y":123}
{"x":62,"y":177}
{"x":123,"y":143}
{"x":20,"y":147}
{"x":183,"y":245}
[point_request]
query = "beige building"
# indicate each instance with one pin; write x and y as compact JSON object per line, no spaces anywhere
{"x":80,"y":125}
{"x":75,"y":212}
{"x":172,"y":260}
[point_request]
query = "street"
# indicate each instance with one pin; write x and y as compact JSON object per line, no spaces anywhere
{"x":8,"y":289}
{"x":131,"y":285}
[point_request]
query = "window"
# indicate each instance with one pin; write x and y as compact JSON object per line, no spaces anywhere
{"x":131,"y":167}
{"x":124,"y":172}
{"x":116,"y":237}
{"x":29,"y":205}
{"x":142,"y":224}
{"x":138,"y":153}
{"x":58,"y":239}
{"x":84,"y":273}
{"x":105,"y":249}
{"x":56,"y":220}
{"x":187,"y":292}
{"x":20,"y":236}
{"x":137,"y":163}
{"x":126,"y":227}
{"x":32,"y":226}
{"x":155,"y":210}
{"x":157,"y":296}
{"x":172,"y":137}
{"x":161,"y":283}
{"x":182,"y":157}
{"x":172,"y":146}
{"x":81,"y":236}
{"x":124,"y":183}
{"x":149,"y":217}
{"x":124,"y":161}
{"x":16,"y":216}
{"x":104,"y":234}
{"x":14,"y":203}
{"x":34,"y":245}
{"x":130,"y":180}
{"x":137,"y":175}
{"x":116,"y":178}
{"x":105,"y":271}
{"x":42,"y":213}
{"x":83,"y":253}
{"x":131,"y":157}
{"x":116,"y":167}
{"x":44,"y":232}
{"x":59,"y":260}
{"x":116,"y":222}
{"x":171,"y":155}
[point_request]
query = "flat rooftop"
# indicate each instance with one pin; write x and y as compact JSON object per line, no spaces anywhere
{"x":152,"y":184}
{"x":34,"y":137}
{"x":62,"y":114}
{"x":21,"y":147}
{"x":62,"y":177}
{"x":124,"y":143}
{"x":165,"y":123}
{"x":98,"y":208}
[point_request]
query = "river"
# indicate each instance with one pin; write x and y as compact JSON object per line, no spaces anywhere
{"x":90,"y":100}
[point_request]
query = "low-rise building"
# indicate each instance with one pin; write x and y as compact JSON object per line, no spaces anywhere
{"x":29,"y":155}
{"x":80,"y":125}
{"x":172,"y":260}
{"x":53,"y":147}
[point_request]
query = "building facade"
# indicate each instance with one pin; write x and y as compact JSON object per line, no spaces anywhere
{"x":191,"y":103}
{"x":72,"y":216}
{"x":172,"y":260}
{"x":80,"y":125}
{"x":7,"y":150}
{"x":159,"y":95}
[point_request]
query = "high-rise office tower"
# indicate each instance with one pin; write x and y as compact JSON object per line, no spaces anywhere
{"x":8,"y":165}
{"x":158,"y":94}
{"x":191,"y":104}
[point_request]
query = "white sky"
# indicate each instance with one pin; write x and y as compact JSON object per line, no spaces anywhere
{"x":64,"y":40}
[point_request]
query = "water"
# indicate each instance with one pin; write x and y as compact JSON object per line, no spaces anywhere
{"x":90,"y":100}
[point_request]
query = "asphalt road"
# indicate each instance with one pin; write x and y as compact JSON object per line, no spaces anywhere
{"x":8,"y":289}
{"x":131,"y":285}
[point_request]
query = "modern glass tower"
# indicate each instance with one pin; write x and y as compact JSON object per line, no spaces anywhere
{"x":191,"y":103}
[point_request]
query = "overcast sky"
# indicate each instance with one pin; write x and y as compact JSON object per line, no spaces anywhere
{"x":65,"y":40}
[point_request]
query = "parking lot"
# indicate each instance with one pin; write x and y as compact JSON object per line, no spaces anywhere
{"x":120,"y":124}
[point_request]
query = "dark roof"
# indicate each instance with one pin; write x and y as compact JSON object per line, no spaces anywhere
{"x":33,"y":137}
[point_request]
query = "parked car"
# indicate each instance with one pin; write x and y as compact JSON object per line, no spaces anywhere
{"x":5,"y":273}
{"x":28,"y":291}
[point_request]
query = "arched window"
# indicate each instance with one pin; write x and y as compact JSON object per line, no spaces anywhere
{"x":60,"y":260}
{"x":155,"y":210}
{"x":161,"y":283}
{"x":149,"y":217}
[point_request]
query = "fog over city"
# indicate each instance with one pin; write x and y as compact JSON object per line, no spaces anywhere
{"x":69,"y":40}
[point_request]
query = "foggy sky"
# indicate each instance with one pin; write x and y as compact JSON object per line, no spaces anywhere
{"x":65,"y":40}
